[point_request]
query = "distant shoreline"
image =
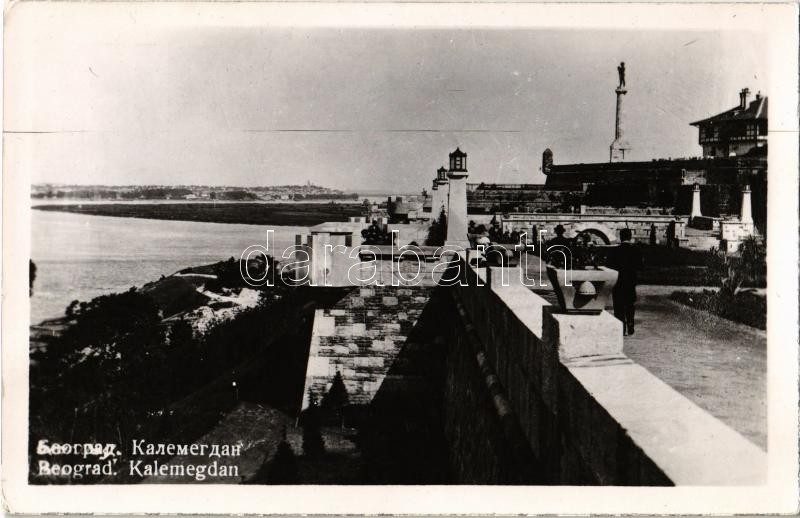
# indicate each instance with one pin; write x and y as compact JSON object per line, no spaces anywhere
{"x":249,"y":213}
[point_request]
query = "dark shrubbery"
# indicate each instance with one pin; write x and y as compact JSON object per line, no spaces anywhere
{"x":677,"y":276}
{"x":335,"y":401}
{"x":376,"y":235}
{"x":659,"y":255}
{"x":746,"y":267}
{"x":281,"y":469}
{"x":311,"y":421}
{"x":745,"y":308}
{"x":437,"y":232}
{"x":105,"y":375}
{"x":117,"y":365}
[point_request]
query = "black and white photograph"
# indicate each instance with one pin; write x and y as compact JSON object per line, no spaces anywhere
{"x":400,"y":251}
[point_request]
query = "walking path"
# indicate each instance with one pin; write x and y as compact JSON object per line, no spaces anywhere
{"x":718,"y":364}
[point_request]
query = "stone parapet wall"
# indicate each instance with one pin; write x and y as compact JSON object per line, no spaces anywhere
{"x":588,"y":414}
{"x":607,"y":226}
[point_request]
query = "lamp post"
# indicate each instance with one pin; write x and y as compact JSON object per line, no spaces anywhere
{"x":235,"y":392}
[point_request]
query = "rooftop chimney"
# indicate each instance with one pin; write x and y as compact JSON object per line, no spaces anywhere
{"x":743,"y":98}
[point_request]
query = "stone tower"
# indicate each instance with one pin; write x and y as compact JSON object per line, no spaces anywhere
{"x":620,"y":146}
{"x":434,"y":199}
{"x":547,"y":161}
{"x":439,"y":200}
{"x":457,"y":200}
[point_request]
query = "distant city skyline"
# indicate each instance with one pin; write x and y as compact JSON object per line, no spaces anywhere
{"x":361,"y":109}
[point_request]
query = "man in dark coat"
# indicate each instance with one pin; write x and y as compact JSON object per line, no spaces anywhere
{"x":555,"y":244}
{"x":559,"y":240}
{"x":627,"y":260}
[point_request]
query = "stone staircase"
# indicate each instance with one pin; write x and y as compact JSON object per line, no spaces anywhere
{"x":361,"y":337}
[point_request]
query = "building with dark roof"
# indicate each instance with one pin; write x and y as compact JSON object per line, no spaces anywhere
{"x":740,"y":131}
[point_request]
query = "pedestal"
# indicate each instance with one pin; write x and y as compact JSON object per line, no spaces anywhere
{"x":619,"y":147}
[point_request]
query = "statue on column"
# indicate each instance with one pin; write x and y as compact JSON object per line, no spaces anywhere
{"x":621,"y":71}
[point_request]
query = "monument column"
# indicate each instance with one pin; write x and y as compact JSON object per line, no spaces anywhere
{"x":457,"y":200}
{"x":620,"y":145}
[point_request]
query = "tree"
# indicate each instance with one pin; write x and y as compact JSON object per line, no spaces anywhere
{"x":752,"y":258}
{"x":313,"y":444}
{"x":109,"y":362}
{"x":183,"y":357}
{"x":336,"y":399}
{"x":375,"y":235}
{"x":72,"y":309}
{"x":283,"y":468}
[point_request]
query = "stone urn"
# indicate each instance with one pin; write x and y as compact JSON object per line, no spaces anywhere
{"x":589,"y":291}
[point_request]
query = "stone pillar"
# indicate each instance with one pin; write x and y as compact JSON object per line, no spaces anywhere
{"x":746,"y":214}
{"x":457,"y":213}
{"x":620,"y":145}
{"x":457,"y":221}
{"x":696,"y":202}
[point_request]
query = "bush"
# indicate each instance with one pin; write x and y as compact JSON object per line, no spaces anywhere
{"x":437,"y":232}
{"x":282,"y":469}
{"x":677,"y":276}
{"x":335,"y":401}
{"x":313,"y":444}
{"x":745,"y":307}
{"x":376,"y":235}
{"x":659,"y":255}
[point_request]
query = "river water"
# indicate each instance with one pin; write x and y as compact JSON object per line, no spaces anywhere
{"x":80,"y":257}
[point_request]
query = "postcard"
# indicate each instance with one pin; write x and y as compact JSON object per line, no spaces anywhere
{"x":364,"y":258}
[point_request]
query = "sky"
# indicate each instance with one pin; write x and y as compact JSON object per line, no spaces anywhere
{"x":357,"y":108}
